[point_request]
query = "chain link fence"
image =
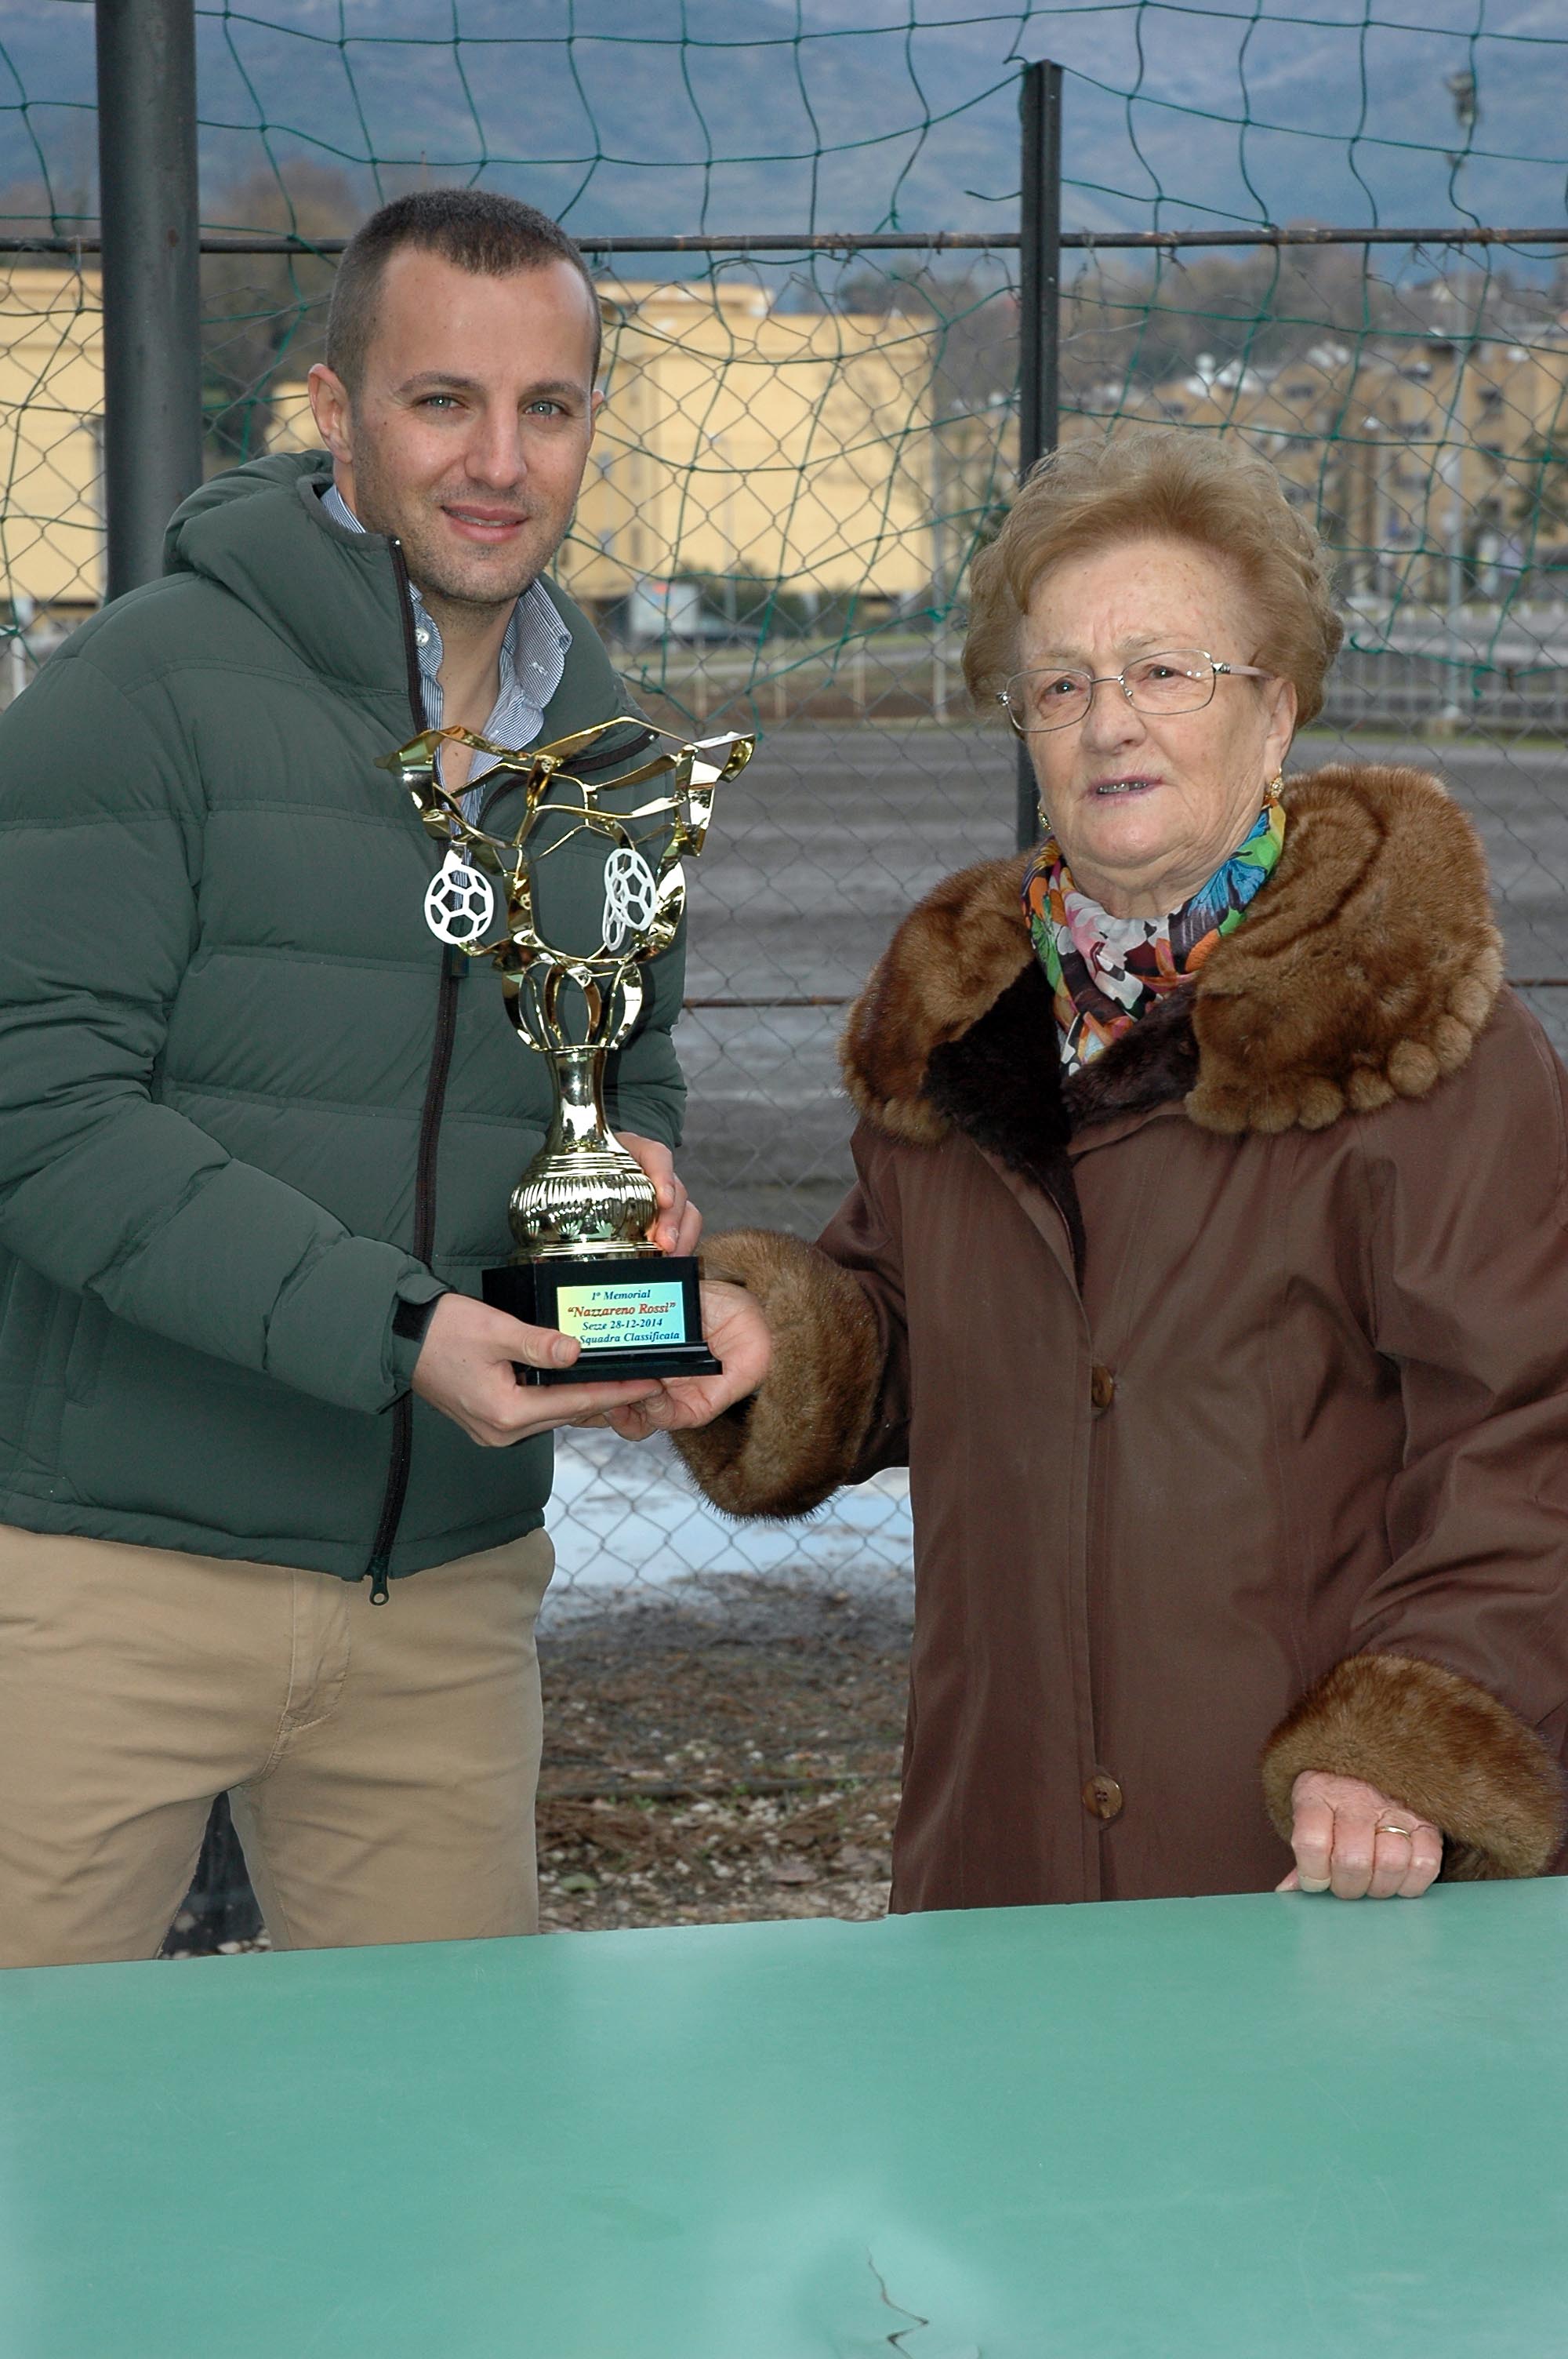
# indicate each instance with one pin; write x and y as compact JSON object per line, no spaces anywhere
{"x":805,"y":438}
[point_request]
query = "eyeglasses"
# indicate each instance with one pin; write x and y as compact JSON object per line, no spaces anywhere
{"x":1178,"y":679}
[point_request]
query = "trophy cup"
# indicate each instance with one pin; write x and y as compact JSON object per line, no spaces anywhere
{"x":581,"y":1211}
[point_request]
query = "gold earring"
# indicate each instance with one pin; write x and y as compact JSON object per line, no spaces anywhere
{"x":1275,"y":788}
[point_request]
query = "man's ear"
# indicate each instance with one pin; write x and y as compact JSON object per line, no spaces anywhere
{"x":330,"y":408}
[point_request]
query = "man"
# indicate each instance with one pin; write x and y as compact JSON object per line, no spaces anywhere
{"x":257,"y":1133}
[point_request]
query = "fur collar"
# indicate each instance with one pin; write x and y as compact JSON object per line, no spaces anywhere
{"x":1368,"y":964}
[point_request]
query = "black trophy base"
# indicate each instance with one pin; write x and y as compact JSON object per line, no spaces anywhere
{"x":633,"y":1317}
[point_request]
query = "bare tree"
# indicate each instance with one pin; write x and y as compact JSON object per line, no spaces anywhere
{"x":264,"y":316}
{"x":1139,"y":323}
{"x":972,"y":323}
{"x":61,"y":199}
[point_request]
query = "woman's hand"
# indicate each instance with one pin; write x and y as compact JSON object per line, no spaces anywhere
{"x":738,"y":1334}
{"x":1353,"y":1841}
{"x":679,"y":1223}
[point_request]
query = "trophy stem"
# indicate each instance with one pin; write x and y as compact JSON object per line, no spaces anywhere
{"x":582,"y":1193}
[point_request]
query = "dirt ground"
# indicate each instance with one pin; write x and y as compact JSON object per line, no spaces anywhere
{"x":731,"y":1754}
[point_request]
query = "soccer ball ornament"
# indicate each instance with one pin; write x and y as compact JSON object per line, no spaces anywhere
{"x":460,"y":904}
{"x":631,"y":897}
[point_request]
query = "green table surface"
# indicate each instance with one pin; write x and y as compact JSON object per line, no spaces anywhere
{"x":1257,"y":2126}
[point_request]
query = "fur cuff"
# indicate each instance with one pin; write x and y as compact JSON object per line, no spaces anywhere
{"x":1437,"y":1744}
{"x":801,"y":1433}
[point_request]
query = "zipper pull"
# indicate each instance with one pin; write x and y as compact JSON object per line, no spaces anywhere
{"x":376,"y":1576}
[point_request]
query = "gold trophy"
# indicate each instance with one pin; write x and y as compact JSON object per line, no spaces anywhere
{"x":582,"y":1210}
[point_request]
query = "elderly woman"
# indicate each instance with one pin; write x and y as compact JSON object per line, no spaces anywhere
{"x":1206,"y":1265}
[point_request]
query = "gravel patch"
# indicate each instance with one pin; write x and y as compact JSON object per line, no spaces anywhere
{"x":725,"y":1750}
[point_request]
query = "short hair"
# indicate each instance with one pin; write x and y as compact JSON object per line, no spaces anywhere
{"x":1175,"y":484}
{"x":492,"y":235}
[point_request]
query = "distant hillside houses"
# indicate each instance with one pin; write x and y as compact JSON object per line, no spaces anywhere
{"x":1441,"y":459}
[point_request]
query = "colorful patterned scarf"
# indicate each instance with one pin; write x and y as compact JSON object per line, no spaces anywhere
{"x":1103,"y":970}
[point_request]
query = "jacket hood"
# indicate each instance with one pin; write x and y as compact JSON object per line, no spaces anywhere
{"x":260,"y":532}
{"x":1366,"y":967}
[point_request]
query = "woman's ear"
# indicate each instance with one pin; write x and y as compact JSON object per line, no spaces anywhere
{"x":1280,"y":706}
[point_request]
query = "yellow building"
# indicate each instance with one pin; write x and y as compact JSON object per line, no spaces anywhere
{"x":51,"y":440}
{"x":737,"y":440}
{"x":792,"y":449}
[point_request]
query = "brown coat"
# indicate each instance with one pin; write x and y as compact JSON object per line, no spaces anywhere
{"x":1232,"y":1377}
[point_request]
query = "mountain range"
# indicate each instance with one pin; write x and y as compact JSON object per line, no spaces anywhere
{"x":735,"y":115}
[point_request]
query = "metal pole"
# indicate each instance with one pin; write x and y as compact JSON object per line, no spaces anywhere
{"x":151,"y":246}
{"x":1038,"y":302}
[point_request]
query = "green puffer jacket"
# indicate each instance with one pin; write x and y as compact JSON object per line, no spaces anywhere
{"x":246,"y":1107}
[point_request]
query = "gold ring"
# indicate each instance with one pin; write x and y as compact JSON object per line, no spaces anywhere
{"x":1384,"y":1829}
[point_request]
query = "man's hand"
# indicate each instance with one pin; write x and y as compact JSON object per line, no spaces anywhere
{"x":1355,"y":1842}
{"x":465,"y":1370}
{"x":738,"y":1334}
{"x":679,"y":1223}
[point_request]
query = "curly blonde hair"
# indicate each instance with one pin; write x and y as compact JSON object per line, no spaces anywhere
{"x":1180,"y":485}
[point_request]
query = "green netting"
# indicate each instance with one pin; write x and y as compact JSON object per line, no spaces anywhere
{"x":800,"y":452}
{"x":821,"y":441}
{"x":869,"y":115}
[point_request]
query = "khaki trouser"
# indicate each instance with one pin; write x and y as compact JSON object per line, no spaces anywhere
{"x":382,"y":1760}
